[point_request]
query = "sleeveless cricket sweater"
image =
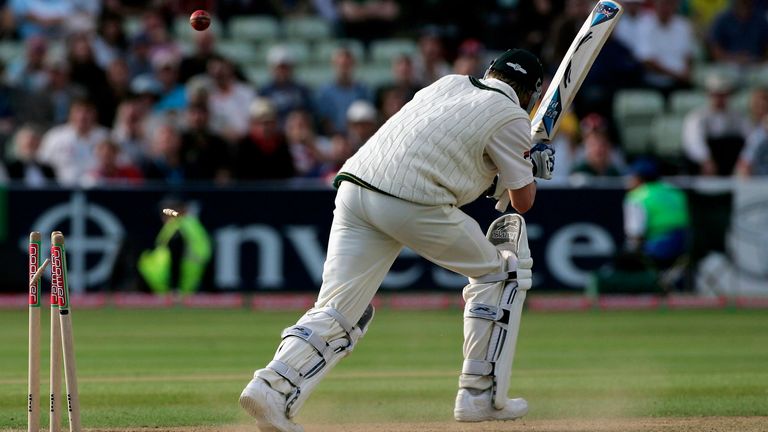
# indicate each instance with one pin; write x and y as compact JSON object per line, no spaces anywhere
{"x":432,"y":151}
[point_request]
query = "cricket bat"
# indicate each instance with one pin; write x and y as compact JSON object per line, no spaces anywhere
{"x":573,"y":69}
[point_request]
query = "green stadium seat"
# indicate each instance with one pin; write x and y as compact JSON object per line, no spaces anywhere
{"x":667,"y":133}
{"x":239,"y":51}
{"x":298,"y":49}
{"x":374,"y":74}
{"x":685,"y":101}
{"x":740,"y":101}
{"x":11,"y":50}
{"x":702,"y":71}
{"x":307,"y":28}
{"x":323,"y":50}
{"x":757,"y":76}
{"x":634,"y":111}
{"x":254,"y":28}
{"x":315,"y":75}
{"x":384,"y":50}
{"x":257,"y":75}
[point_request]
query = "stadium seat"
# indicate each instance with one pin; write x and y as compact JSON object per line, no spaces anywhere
{"x":667,"y":136}
{"x":634,"y":111}
{"x":740,"y":101}
{"x":254,"y":28}
{"x":757,"y":76}
{"x":374,"y":74}
{"x":257,"y":75}
{"x":298,"y":49}
{"x":10,"y":51}
{"x":702,"y":71}
{"x":384,"y":50}
{"x":685,"y":101}
{"x":182,"y":29}
{"x":307,"y":28}
{"x":240,"y":51}
{"x":314,"y":76}
{"x":324,"y":49}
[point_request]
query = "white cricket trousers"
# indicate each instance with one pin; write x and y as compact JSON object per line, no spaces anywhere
{"x":369,"y":229}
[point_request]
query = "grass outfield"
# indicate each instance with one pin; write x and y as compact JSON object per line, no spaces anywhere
{"x":166,"y":368}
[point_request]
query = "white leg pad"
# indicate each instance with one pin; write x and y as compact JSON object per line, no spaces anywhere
{"x":494,"y":305}
{"x":305,"y":357}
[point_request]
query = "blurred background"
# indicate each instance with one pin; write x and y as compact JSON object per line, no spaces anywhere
{"x":112,"y":110}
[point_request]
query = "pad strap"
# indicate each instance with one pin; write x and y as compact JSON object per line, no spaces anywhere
{"x":305,"y":333}
{"x":285,"y":371}
{"x":494,"y":277}
{"x":477,"y":367}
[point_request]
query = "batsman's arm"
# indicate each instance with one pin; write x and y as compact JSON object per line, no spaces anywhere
{"x":522,"y":199}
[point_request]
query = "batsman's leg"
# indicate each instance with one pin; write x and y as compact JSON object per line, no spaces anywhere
{"x":498,"y":265}
{"x":494,"y":303}
{"x":358,"y":258}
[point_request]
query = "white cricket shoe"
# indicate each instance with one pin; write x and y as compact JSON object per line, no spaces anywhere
{"x":267,"y":406}
{"x":476,"y":406}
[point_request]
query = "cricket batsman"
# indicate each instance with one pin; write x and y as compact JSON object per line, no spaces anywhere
{"x":404,"y":187}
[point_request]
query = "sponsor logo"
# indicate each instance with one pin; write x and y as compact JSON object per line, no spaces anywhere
{"x":483,"y":310}
{"x":57,"y":280}
{"x":34,"y":298}
{"x":604,"y":11}
{"x":567,"y":76}
{"x":301,"y":331}
{"x":517,"y":67}
{"x":507,"y":231}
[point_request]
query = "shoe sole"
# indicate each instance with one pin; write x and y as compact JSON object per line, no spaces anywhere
{"x":261,"y":412}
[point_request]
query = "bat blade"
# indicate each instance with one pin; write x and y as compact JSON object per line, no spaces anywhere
{"x":574,"y":68}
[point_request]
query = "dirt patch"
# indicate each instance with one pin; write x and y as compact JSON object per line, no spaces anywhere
{"x":666,"y":424}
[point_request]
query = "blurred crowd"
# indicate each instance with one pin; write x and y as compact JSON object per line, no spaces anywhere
{"x":124,"y":92}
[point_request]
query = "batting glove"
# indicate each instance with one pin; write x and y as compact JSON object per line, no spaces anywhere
{"x":543,"y":159}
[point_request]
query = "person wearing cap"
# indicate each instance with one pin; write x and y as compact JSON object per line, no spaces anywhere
{"x":599,"y":157}
{"x":334,"y":98}
{"x":403,"y":188}
{"x":713,"y":135}
{"x":656,"y":218}
{"x":283,"y":90}
{"x":263,"y":153}
{"x":362,"y":122}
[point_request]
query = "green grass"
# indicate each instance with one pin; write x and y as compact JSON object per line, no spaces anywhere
{"x":187,"y":367}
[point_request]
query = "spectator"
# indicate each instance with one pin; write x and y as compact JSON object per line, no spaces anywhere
{"x":310,"y":152}
{"x":564,"y":30}
{"x":367,"y":20}
{"x":703,"y":12}
{"x":42,"y":18}
{"x":656,"y":218}
{"x":139,"y":62}
{"x":156,"y":30}
{"x":110,"y":168}
{"x":534,"y":21}
{"x":627,"y":27}
{"x":196,"y":63}
{"x":226,"y":99}
{"x":753,"y":160}
{"x":739,"y":35}
{"x":60,"y":93}
{"x":86,"y":73}
{"x":129,"y":132}
{"x":28,"y":73}
{"x":598,"y":156}
{"x":284,"y":91}
{"x":69,"y":148}
{"x":118,"y":89}
{"x":263,"y":153}
{"x":333,"y":99}
{"x":430,"y":63}
{"x":164,"y":161}
{"x":173,"y":96}
{"x":205,"y":154}
{"x":665,"y":46}
{"x":110,"y":42}
{"x":401,"y":89}
{"x":470,"y":59}
{"x":758,"y":107}
{"x":8,"y":110}
{"x":362,"y":123}
{"x":714,"y":135}
{"x":26,"y":165}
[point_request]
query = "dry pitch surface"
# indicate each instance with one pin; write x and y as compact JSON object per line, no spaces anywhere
{"x":666,"y":424}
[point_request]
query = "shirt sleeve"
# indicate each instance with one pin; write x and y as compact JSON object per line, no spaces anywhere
{"x":694,"y":140}
{"x":634,"y":219}
{"x":507,"y":148}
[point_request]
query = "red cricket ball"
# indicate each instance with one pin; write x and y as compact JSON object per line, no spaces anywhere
{"x":200,"y":20}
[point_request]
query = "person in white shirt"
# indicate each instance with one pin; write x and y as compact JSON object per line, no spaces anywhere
{"x":626,"y":29}
{"x":403,"y":188}
{"x":665,"y":46}
{"x":68,"y":148}
{"x":228,"y":100}
{"x":714,"y":135}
